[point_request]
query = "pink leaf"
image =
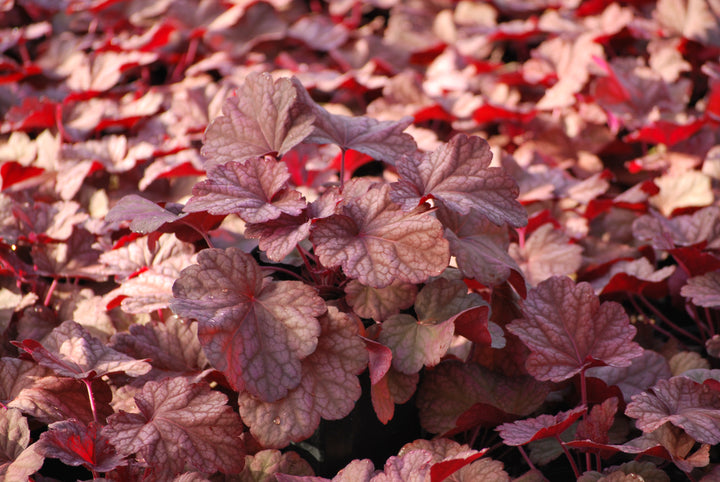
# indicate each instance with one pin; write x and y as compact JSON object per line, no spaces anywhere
{"x":283,"y":465}
{"x":264,"y":117}
{"x":547,"y":252}
{"x":703,"y":290}
{"x":458,"y":175}
{"x":252,"y":329}
{"x":377,"y":243}
{"x":74,"y":443}
{"x":596,"y":425}
{"x":145,"y":216}
{"x":692,"y":406}
{"x":540,"y":427}
{"x":179,"y":424}
{"x":642,"y":373}
{"x":328,"y":388}
{"x":17,"y":460}
{"x":380,"y":303}
{"x":71,"y":351}
{"x":255,"y":190}
{"x":567,"y":330}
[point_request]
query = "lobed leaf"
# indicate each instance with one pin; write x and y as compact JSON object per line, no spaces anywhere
{"x":567,"y":330}
{"x":543,"y":426}
{"x":377,"y":243}
{"x":264,"y":117}
{"x":254,"y":330}
{"x":703,"y":290}
{"x":180,"y":424}
{"x":75,"y":443}
{"x":256,"y":190}
{"x":457,"y":174}
{"x":17,"y":460}
{"x":328,"y":389}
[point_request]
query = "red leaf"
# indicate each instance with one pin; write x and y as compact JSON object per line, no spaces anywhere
{"x":13,"y":172}
{"x":538,"y":428}
{"x":378,"y":243}
{"x":567,"y":330}
{"x":253,"y":330}
{"x":74,"y":443}
{"x":442,"y":470}
{"x":264,"y":117}
{"x":256,"y":190}
{"x":458,"y":175}
{"x":179,"y":424}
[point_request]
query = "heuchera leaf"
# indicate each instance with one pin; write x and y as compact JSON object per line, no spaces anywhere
{"x":180,"y":424}
{"x":145,"y":216}
{"x":75,"y":443}
{"x":382,"y":140}
{"x":424,"y":341}
{"x":642,"y":373}
{"x":567,"y":330}
{"x":412,"y":466}
{"x":264,"y":117}
{"x":458,"y":175}
{"x":543,"y":426}
{"x":692,"y":406}
{"x":452,"y":388}
{"x":265,"y":464}
{"x":328,"y":389}
{"x":455,"y":462}
{"x":596,"y":425}
{"x":377,"y":243}
{"x":256,"y":190}
{"x":547,"y":252}
{"x":71,"y":351}
{"x":704,"y":290}
{"x":17,"y":461}
{"x":379,"y":303}
{"x":252,"y":329}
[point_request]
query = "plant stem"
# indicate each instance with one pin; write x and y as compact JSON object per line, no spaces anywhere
{"x":342,"y":169}
{"x":569,"y":456}
{"x":527,"y":459}
{"x":88,"y":385}
{"x":666,"y":320}
{"x":51,"y":290}
{"x":583,"y":397}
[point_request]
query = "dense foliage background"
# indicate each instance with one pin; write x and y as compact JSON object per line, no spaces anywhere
{"x":274,"y":240}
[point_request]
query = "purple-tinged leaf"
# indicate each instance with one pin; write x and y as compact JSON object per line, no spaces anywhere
{"x":54,"y":399}
{"x":412,"y":466}
{"x":144,"y":215}
{"x":458,"y":175}
{"x":543,"y":426}
{"x":638,"y":276}
{"x":596,"y":425}
{"x":382,"y":140}
{"x":17,"y":461}
{"x":547,"y":252}
{"x":683,"y":230}
{"x":264,"y":117}
{"x":455,"y":462}
{"x":692,"y":406}
{"x":256,"y":190}
{"x":379,"y":303}
{"x":643,"y":372}
{"x":479,"y":246}
{"x":75,"y":443}
{"x":377,"y":243}
{"x":16,"y":374}
{"x":568,"y":330}
{"x":356,"y":471}
{"x":452,"y":388}
{"x":70,"y":351}
{"x":704,"y":290}
{"x":328,"y":389}
{"x":180,"y":424}
{"x":252,"y":329}
{"x":170,"y":346}
{"x":279,"y":237}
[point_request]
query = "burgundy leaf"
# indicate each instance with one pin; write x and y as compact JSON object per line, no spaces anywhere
{"x":71,"y":351}
{"x":378,"y":243}
{"x":480,"y":247}
{"x":382,"y":140}
{"x":637,"y":276}
{"x":692,"y":406}
{"x":643,"y":372}
{"x":17,"y":461}
{"x":547,"y":252}
{"x":255,"y":190}
{"x":252,"y":329}
{"x":411,"y":466}
{"x":145,"y":216}
{"x":171,"y":346}
{"x":452,"y":388}
{"x":75,"y":443}
{"x":540,"y":427}
{"x":264,"y":117}
{"x":567,"y":330}
{"x":704,"y":290}
{"x":53,"y":399}
{"x":458,"y":175}
{"x":596,"y":425}
{"x":279,"y":237}
{"x":380,"y":303}
{"x":328,"y":389}
{"x":16,"y":374}
{"x":180,"y":425}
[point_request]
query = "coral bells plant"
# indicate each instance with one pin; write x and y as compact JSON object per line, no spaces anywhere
{"x":359,"y":241}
